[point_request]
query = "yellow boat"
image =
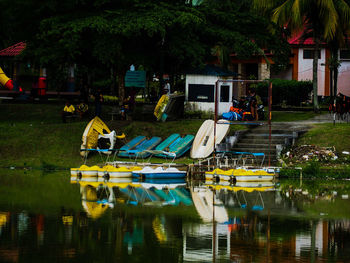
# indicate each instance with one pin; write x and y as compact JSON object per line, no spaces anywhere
{"x":109,"y":171}
{"x":160,"y":107}
{"x":90,"y":136}
{"x":87,"y":171}
{"x":241,"y":175}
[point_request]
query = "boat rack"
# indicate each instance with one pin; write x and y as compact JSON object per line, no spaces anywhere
{"x":232,"y":159}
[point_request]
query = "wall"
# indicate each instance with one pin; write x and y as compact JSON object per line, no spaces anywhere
{"x":305,"y":70}
{"x":207,"y":106}
{"x":344,"y":78}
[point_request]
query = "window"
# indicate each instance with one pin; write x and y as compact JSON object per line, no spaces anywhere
{"x":201,"y":92}
{"x":309,"y":54}
{"x":224,"y":93}
{"x":344,"y":54}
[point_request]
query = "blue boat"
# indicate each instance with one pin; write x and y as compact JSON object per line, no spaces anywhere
{"x":159,"y":173}
{"x":140,"y":149}
{"x":167,"y":142}
{"x":133,"y":143}
{"x":179,"y":146}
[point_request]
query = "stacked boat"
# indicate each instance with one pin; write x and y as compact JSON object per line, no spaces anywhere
{"x":141,"y":147}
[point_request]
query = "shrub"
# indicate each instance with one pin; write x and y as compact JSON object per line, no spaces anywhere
{"x":291,"y":91}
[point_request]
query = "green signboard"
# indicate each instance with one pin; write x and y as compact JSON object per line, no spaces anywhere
{"x":135,"y":79}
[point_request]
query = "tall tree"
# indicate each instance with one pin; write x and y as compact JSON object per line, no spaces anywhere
{"x":324,"y":18}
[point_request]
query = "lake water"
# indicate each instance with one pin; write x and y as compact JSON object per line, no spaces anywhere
{"x":47,"y":217}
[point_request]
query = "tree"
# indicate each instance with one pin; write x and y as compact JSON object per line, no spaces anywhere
{"x":324,"y":20}
{"x":231,"y":28}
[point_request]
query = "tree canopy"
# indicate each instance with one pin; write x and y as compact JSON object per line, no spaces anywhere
{"x":162,"y":36}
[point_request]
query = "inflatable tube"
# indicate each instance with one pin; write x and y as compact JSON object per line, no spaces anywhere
{"x":5,"y":81}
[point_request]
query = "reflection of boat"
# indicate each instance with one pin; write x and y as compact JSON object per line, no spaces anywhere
{"x":172,"y":191}
{"x":154,"y":192}
{"x":163,"y":183}
{"x":203,"y":144}
{"x":242,"y":174}
{"x":241,"y":186}
{"x":159,"y":173}
{"x":247,"y":194}
{"x":93,"y":207}
{"x":208,"y":206}
{"x":260,"y":185}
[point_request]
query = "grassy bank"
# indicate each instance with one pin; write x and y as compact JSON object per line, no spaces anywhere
{"x":336,"y":137}
{"x":33,"y":135}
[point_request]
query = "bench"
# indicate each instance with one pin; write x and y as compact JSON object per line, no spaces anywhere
{"x":115,"y":113}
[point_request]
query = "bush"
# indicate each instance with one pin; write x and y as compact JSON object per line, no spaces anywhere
{"x":291,"y":91}
{"x":110,"y":99}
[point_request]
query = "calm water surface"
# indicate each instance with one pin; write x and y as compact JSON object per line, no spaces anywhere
{"x":47,"y":217}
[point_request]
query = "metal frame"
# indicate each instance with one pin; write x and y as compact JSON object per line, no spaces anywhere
{"x":216,"y":88}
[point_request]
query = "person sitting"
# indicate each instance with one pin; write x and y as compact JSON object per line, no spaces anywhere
{"x":82,"y":109}
{"x":68,"y":110}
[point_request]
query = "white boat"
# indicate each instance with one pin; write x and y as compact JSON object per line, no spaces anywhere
{"x":203,"y":144}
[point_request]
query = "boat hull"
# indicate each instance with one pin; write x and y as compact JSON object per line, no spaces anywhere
{"x":203,"y":144}
{"x":156,"y":175}
{"x":240,"y":175}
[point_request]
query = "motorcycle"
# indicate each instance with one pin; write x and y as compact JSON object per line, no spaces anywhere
{"x":244,"y":106}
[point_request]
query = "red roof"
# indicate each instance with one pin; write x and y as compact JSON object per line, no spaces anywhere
{"x":13,"y":50}
{"x":297,"y":40}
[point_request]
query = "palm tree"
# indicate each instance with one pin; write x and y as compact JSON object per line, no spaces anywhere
{"x":327,"y":20}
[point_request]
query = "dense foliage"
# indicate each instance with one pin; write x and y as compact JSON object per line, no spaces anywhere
{"x":286,"y":90}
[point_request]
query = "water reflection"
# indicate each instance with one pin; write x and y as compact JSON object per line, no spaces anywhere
{"x":133,"y":221}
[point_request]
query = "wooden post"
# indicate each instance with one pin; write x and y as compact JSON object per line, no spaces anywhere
{"x":269,"y":120}
{"x":215,"y":114}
